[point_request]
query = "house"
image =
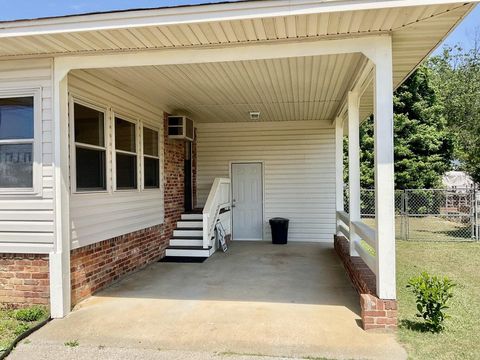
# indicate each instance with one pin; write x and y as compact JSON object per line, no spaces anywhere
{"x":116,"y":128}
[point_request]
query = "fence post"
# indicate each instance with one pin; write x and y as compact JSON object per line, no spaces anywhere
{"x":475,"y":209}
{"x":407,"y":216}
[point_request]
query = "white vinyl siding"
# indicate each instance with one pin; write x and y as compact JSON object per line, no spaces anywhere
{"x":27,"y":220}
{"x":299,"y":170}
{"x":99,"y":216}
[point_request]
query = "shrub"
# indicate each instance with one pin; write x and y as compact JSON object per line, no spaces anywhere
{"x":432,"y":295}
{"x":29,"y":314}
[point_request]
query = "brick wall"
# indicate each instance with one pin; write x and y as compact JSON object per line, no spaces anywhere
{"x":174,"y":179}
{"x":24,"y":279}
{"x":375,"y":313}
{"x":96,"y":266}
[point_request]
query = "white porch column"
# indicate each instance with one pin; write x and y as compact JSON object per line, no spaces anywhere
{"x":384,"y":173}
{"x":339,"y":200}
{"x":60,"y":302}
{"x":354,"y":166}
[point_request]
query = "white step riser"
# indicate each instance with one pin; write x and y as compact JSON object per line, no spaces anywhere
{"x":185,"y":242}
{"x":189,"y":224}
{"x":192,"y":217}
{"x":180,"y":233}
{"x":189,"y":253}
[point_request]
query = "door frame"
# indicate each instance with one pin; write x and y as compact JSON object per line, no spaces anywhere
{"x":230,"y":166}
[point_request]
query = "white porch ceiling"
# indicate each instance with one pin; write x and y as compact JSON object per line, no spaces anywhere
{"x":302,"y":88}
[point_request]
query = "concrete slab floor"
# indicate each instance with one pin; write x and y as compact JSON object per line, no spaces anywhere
{"x":292,"y":301}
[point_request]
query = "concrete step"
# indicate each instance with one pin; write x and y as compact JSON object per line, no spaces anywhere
{"x":187,"y":232}
{"x":186,"y":242}
{"x":192,"y":217}
{"x":188,"y":251}
{"x":184,"y":224}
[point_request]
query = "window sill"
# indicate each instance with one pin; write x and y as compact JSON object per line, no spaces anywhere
{"x":93,"y":192}
{"x":126,"y":190}
{"x":20,"y":192}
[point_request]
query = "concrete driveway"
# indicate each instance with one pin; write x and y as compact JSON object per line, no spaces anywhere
{"x":258,"y":299}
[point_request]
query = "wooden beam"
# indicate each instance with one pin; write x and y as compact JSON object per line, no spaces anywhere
{"x":276,"y":50}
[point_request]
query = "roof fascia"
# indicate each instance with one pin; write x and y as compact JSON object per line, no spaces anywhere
{"x":200,"y":14}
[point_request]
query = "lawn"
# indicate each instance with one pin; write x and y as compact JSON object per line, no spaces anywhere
{"x":461,"y":263}
{"x":15,"y":322}
{"x":429,"y":228}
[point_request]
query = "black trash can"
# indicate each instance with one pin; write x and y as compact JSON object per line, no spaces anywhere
{"x":279,"y":228}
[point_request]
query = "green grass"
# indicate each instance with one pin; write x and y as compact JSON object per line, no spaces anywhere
{"x":429,"y":228}
{"x":461,"y":263}
{"x":13,"y":323}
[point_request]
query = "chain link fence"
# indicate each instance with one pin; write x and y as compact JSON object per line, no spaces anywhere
{"x":429,"y":214}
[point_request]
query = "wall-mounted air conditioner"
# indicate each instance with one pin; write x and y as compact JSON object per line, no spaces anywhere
{"x":180,"y":127}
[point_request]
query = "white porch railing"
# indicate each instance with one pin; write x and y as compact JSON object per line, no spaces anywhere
{"x":365,"y":232}
{"x":218,"y":198}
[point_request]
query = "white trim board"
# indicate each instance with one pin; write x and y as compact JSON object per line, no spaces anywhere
{"x":199,"y":14}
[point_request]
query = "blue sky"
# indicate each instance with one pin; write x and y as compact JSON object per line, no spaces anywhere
{"x":23,"y":9}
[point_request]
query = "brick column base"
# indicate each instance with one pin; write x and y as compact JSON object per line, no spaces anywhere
{"x":375,"y":313}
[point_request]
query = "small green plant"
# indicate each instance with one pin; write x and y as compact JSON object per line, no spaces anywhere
{"x":30,"y":314}
{"x":72,"y":343}
{"x":21,"y":328}
{"x":432,"y":294}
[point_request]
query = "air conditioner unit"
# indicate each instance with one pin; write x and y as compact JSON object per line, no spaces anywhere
{"x":180,"y":127}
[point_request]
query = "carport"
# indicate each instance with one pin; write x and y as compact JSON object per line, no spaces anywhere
{"x":257,"y":299}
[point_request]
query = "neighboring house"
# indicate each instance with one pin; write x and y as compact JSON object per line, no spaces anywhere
{"x":457,"y":180}
{"x":92,"y":185}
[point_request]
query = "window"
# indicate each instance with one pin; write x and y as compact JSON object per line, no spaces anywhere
{"x":90,"y":150}
{"x":125,"y":154}
{"x":16,"y":142}
{"x":151,"y":160}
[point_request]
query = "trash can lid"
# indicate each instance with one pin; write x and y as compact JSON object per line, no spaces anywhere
{"x":279,"y":219}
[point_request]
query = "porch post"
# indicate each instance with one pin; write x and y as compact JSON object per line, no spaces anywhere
{"x":384,"y":173}
{"x":60,"y":302}
{"x":354,"y":166}
{"x":339,"y":200}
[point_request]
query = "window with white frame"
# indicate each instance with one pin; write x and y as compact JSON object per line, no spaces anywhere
{"x":151,"y":159}
{"x":90,"y":149}
{"x":125,"y":154}
{"x":17,"y":123}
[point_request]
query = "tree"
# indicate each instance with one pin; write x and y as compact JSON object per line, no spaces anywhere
{"x":423,"y":146}
{"x":457,"y":77}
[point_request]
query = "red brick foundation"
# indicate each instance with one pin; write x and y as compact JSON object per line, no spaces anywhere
{"x":99,"y":265}
{"x":24,"y":280}
{"x":376,"y":313}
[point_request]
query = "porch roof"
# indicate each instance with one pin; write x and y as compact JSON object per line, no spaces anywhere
{"x":416,"y":28}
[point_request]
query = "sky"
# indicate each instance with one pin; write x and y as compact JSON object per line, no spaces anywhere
{"x":25,"y":9}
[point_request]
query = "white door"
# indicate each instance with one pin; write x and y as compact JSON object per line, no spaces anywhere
{"x":247,"y":198}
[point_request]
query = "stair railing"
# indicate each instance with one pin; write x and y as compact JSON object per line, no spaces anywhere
{"x":218,"y":198}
